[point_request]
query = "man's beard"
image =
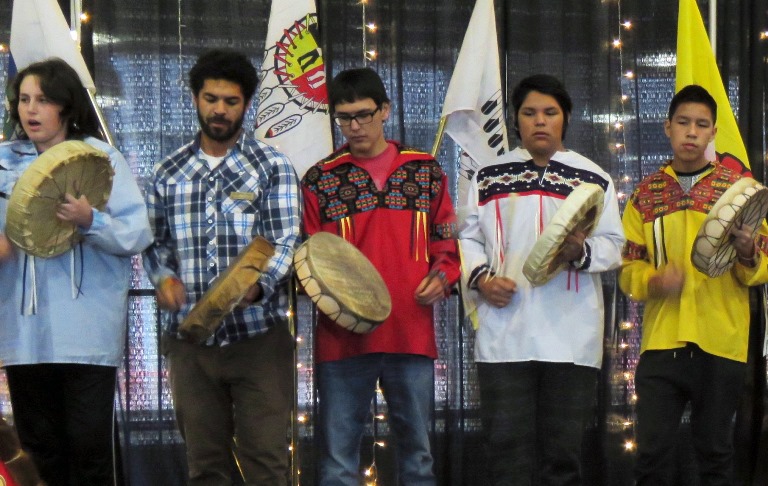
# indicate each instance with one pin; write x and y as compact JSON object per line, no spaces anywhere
{"x":216,"y":134}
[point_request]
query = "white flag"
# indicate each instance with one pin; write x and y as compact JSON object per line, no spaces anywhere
{"x":293,"y":101}
{"x":474,"y":103}
{"x":39,"y":31}
{"x":474,"y":111}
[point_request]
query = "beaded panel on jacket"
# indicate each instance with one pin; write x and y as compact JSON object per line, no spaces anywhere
{"x":345,"y":189}
{"x":558,"y":179}
{"x":661,"y":195}
{"x":634,"y":251}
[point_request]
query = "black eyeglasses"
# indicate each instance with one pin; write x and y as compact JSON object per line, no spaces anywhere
{"x":344,"y":120}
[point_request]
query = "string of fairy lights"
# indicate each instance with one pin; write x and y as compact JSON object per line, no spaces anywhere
{"x":628,"y":327}
{"x":369,"y":28}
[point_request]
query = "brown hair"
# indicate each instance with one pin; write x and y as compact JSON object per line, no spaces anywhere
{"x":61,"y":85}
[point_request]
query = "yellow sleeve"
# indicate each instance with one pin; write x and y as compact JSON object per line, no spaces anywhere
{"x":759,"y":273}
{"x":636,"y":267}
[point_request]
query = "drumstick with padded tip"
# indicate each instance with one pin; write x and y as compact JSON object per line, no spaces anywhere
{"x":435,"y":273}
{"x":511,"y":203}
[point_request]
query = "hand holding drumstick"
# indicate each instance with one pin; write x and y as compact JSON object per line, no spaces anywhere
{"x":743,"y":243}
{"x":667,"y":281}
{"x":572,"y":249}
{"x":496,"y":290}
{"x":171,"y":294}
{"x":432,"y":288}
{"x":5,"y":248}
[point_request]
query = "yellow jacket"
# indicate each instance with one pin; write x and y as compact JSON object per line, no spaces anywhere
{"x":710,"y":312}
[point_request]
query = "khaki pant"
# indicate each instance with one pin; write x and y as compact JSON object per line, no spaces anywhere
{"x":235,"y":398}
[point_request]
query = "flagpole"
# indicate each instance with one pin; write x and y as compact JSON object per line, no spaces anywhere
{"x":76,"y":10}
{"x":439,"y":136}
{"x":102,"y":121}
{"x":713,"y":26}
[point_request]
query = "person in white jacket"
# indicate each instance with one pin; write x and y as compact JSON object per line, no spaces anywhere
{"x":538,"y":349}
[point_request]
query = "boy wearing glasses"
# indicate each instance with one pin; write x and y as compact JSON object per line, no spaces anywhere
{"x":393,"y":204}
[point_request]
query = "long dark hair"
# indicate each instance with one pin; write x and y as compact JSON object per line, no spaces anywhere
{"x":61,"y":85}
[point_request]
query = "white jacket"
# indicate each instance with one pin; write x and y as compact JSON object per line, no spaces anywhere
{"x":562,"y":320}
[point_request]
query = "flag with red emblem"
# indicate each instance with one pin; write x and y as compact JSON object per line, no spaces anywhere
{"x":696,"y":64}
{"x":292,"y":113}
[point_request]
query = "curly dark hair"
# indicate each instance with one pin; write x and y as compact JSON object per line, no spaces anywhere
{"x":225,"y":64}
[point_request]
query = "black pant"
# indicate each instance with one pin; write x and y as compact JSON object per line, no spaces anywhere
{"x":666,"y":380}
{"x":64,"y":417}
{"x":534,"y":415}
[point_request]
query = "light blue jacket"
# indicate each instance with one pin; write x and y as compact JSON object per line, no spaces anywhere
{"x":90,"y":328}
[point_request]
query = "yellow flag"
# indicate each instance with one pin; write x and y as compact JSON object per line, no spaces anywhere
{"x":696,"y":65}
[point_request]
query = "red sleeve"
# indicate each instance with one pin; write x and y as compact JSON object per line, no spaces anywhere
{"x":443,"y":248}
{"x":311,"y":211}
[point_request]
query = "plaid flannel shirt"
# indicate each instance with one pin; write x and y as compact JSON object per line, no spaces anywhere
{"x":202,"y":219}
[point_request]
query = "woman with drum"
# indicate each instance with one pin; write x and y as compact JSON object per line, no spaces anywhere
{"x":695,"y":324}
{"x":63,"y":315}
{"x":539,"y":343}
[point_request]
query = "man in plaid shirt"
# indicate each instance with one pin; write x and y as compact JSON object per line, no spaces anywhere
{"x":206,"y":203}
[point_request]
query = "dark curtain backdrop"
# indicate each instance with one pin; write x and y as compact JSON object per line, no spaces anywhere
{"x":141,"y":52}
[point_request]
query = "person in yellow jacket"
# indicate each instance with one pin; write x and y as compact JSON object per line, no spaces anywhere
{"x":695,"y":328}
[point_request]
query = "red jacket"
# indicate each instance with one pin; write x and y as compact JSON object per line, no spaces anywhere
{"x":405,"y":230}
